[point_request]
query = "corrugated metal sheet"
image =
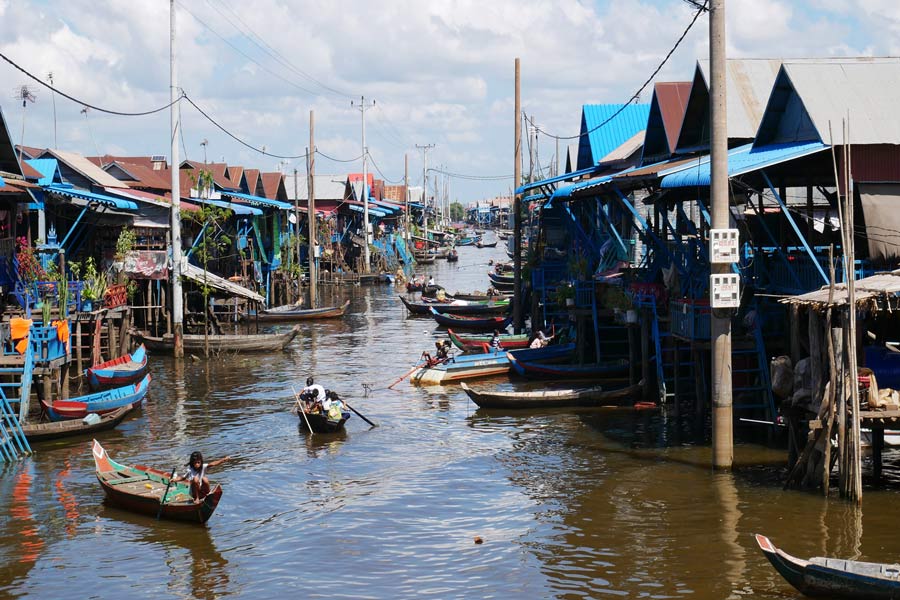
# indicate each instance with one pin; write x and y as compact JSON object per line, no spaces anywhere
{"x":86,"y":168}
{"x":884,"y":284}
{"x":748,"y":84}
{"x":875,"y":163}
{"x":259,"y":201}
{"x":742,"y":160}
{"x":103,"y":199}
{"x":626,"y":148}
{"x":328,"y":187}
{"x":48,"y":168}
{"x":664,"y":122}
{"x":868,"y":89}
{"x":602,"y":140}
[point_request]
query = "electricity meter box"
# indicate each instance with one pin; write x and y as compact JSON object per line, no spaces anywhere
{"x":725,"y":290}
{"x":723,"y":245}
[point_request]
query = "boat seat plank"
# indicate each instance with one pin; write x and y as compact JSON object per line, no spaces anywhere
{"x":128,"y":480}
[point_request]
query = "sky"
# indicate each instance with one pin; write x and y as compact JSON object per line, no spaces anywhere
{"x":435,"y":72}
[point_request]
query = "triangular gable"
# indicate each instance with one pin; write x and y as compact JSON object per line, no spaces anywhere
{"x":786,"y":118}
{"x":571,"y":158}
{"x":273,"y":186}
{"x":664,"y":122}
{"x":9,"y":159}
{"x":605,"y":127}
{"x":251,"y":179}
{"x":82,"y":171}
{"x":48,"y":168}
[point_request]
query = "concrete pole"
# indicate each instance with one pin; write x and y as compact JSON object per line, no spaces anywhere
{"x":296,"y":229}
{"x":365,"y":192}
{"x":406,"y":195}
{"x":518,"y":320}
{"x":313,"y":261}
{"x":722,"y":418}
{"x":177,"y":296}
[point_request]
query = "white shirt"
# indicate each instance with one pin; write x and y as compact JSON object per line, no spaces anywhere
{"x":321,"y":396}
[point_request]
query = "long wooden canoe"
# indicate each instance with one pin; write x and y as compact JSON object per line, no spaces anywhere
{"x":140,"y":489}
{"x":834,"y":577}
{"x":475,"y":342}
{"x":118,"y":371}
{"x":472,"y":366}
{"x":100,"y":403}
{"x":473,"y":322}
{"x":568,"y":398}
{"x":259,"y":342}
{"x":291,"y":312}
{"x":541,"y":370}
{"x":320,"y":422}
{"x":41,"y":432}
{"x":462,"y":307}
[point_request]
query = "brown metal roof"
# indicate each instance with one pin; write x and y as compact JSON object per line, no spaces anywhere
{"x":652,"y":170}
{"x":672,"y":97}
{"x":271,"y":182}
{"x":252,"y":177}
{"x":29,"y":171}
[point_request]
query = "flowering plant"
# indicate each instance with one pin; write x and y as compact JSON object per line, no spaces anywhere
{"x":29,"y":268}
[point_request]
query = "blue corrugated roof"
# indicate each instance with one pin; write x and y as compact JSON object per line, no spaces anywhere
{"x":551,"y":180}
{"x":743,"y":159}
{"x":372,"y":211}
{"x":238,"y":209}
{"x":602,"y":140}
{"x":259,"y":200}
{"x":103,"y":199}
{"x":48,"y":167}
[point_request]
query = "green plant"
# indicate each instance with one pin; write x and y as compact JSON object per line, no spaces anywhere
{"x":125,"y":242}
{"x":94,"y":282}
{"x":616,"y":297}
{"x":564,"y":292}
{"x":131,"y":289}
{"x":213,"y":240}
{"x":577,"y":266}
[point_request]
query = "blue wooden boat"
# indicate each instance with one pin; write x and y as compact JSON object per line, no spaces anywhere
{"x":470,"y":322}
{"x":536,"y":369}
{"x":468,"y":241}
{"x":472,"y":366}
{"x":118,"y":371}
{"x":98,"y":402}
{"x":834,"y":577}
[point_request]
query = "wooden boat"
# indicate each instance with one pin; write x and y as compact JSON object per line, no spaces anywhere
{"x":486,"y":245}
{"x":118,"y":371}
{"x":320,"y":422}
{"x":259,"y":342}
{"x":474,"y":342}
{"x":460,"y":307}
{"x":291,"y":312}
{"x":538,"y":370}
{"x":501,"y":279}
{"x":41,"y":432}
{"x":424,"y":259}
{"x":99,"y":402}
{"x":472,"y":366}
{"x":140,"y":489}
{"x":414,"y":287}
{"x":480,"y":296}
{"x":470,"y":322}
{"x":453,"y":256}
{"x":568,"y":398}
{"x":834,"y":577}
{"x":468,"y":241}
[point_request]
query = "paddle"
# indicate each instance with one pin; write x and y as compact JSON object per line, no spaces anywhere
{"x":361,"y":416}
{"x":162,"y":499}
{"x":415,"y":368}
{"x":302,"y":410}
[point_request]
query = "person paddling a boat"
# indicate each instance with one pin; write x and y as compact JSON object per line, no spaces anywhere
{"x":196,"y":475}
{"x":313,"y":394}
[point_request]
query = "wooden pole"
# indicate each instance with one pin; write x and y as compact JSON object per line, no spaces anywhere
{"x":518,"y":320}
{"x":313,"y":230}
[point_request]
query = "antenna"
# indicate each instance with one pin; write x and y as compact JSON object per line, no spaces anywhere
{"x":24,"y":93}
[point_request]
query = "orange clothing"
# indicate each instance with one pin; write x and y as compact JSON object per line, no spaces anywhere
{"x":18,"y":330}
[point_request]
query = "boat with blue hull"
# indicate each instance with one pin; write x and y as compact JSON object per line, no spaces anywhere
{"x":99,"y":402}
{"x":473,"y":323}
{"x":118,"y":371}
{"x":538,"y":369}
{"x":473,"y":366}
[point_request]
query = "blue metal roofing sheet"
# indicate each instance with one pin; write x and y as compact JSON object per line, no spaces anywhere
{"x":603,"y":139}
{"x":551,"y":180}
{"x":742,"y":160}
{"x":259,"y":200}
{"x":46,"y":167}
{"x":238,"y":209}
{"x":103,"y":199}
{"x":372,"y":211}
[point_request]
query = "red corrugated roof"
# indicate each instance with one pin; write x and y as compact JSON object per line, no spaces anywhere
{"x":29,"y":171}
{"x":370,"y":179}
{"x":271,"y":182}
{"x":252,"y":177}
{"x":145,"y":177}
{"x":218,"y":171}
{"x":672,"y":97}
{"x":106,"y":159}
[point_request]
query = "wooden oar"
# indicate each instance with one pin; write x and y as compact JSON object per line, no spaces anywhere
{"x":417,"y":366}
{"x":361,"y":416}
{"x":302,"y":410}
{"x":162,"y":499}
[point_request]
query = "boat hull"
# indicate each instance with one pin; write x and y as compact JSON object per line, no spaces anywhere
{"x":473,"y":323}
{"x":118,"y":371}
{"x":319,"y":423}
{"x":299,"y":314}
{"x":100,"y":403}
{"x":42,"y":432}
{"x":539,"y":370}
{"x":261,"y":342}
{"x":462,"y":367}
{"x":572,"y":398}
{"x":481,"y":343}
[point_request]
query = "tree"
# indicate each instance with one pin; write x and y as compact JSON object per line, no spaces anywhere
{"x":457,"y":211}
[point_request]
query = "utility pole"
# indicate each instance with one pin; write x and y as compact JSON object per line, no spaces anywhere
{"x":53,"y":99}
{"x":518,"y":321}
{"x":177,"y":299}
{"x":723,"y":427}
{"x":296,"y":228}
{"x":425,"y":148}
{"x":311,"y":208}
{"x":406,"y":193}
{"x":365,"y":180}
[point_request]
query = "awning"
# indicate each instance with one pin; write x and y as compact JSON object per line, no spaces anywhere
{"x":220,"y":283}
{"x":557,"y":179}
{"x":259,"y":201}
{"x":91,"y":197}
{"x":238,"y":209}
{"x":372,"y":211}
{"x":741,"y":160}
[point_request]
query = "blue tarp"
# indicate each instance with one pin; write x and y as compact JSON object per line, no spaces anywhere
{"x":260,"y":201}
{"x":741,"y":160}
{"x":110,"y":201}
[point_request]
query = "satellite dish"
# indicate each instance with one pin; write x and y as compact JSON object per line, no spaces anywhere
{"x":292,"y":218}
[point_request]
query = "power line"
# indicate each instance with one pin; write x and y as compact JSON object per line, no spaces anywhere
{"x":82,"y":102}
{"x":470,"y":177}
{"x":323,"y":155}
{"x":637,"y":94}
{"x":383,"y":176}
{"x":236,"y":138}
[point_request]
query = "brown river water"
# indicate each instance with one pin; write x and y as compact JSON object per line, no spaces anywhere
{"x":568,"y":504}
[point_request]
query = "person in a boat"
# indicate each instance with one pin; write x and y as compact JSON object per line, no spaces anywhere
{"x":332,"y":406}
{"x":433,"y":360}
{"x":313,"y":394}
{"x":443,"y":351}
{"x":431,"y":280}
{"x":495,"y":342}
{"x":540,"y":340}
{"x":195,"y":475}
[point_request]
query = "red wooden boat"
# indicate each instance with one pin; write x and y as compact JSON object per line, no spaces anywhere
{"x":118,"y":371}
{"x":475,"y":323}
{"x":150,"y":492}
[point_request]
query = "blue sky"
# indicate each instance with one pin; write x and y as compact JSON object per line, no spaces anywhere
{"x":440,"y":72}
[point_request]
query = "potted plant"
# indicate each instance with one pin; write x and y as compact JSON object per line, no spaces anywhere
{"x":94,"y":286}
{"x":124,"y":245}
{"x":565,"y":294}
